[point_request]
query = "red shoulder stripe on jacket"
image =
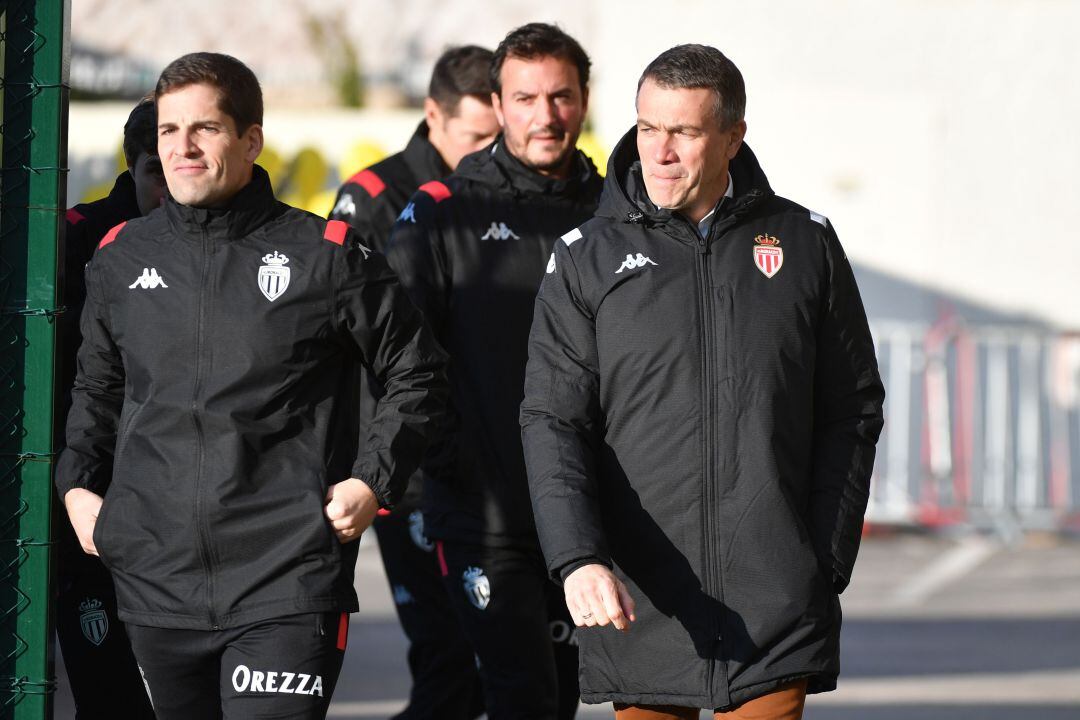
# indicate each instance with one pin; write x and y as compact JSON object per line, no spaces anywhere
{"x":335,"y":232}
{"x":111,"y":235}
{"x":436,"y":190}
{"x":74,"y":217}
{"x":369,"y":181}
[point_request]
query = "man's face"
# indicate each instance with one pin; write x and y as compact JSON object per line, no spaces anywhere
{"x":206,"y":162}
{"x":684,"y":152}
{"x":541,"y":110}
{"x":472,"y":126}
{"x":149,"y":182}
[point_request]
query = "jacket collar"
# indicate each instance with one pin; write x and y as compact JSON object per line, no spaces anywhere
{"x":423,"y":159}
{"x":249,"y":209}
{"x":495,"y":166}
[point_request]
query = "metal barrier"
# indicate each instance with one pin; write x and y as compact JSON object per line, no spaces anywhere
{"x":982,"y":427}
{"x":33,"y":116}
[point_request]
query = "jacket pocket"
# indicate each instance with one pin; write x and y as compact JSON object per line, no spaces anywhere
{"x":126,"y":426}
{"x":99,"y":528}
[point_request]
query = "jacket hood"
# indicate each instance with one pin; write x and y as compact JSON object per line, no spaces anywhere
{"x":626,"y":199}
{"x":496,"y":167}
{"x":249,"y":209}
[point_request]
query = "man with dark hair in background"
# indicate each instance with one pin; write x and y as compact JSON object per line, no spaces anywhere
{"x":458,"y":120}
{"x":471,"y":251}
{"x":105,"y":680}
{"x":218,"y":333}
{"x":701,"y":410}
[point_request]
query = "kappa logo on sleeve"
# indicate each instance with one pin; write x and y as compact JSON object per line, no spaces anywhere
{"x":345,"y":206}
{"x":633,"y":263}
{"x":148,"y":280}
{"x":408,"y":214}
{"x":551,"y":264}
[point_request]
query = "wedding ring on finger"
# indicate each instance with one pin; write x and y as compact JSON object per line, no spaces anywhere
{"x":586,"y":616}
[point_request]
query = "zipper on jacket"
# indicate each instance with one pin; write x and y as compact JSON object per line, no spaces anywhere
{"x":713,"y":571}
{"x":201,"y":526}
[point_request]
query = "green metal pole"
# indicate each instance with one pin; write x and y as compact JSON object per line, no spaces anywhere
{"x":32,"y":192}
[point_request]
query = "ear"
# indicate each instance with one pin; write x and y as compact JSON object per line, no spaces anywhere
{"x":496,"y":105}
{"x":585,"y":102}
{"x":254,"y":138}
{"x":737,"y":133}
{"x":432,"y":113}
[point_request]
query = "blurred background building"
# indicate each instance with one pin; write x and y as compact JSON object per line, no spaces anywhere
{"x":938,"y":138}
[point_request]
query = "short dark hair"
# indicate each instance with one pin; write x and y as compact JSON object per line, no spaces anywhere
{"x":239,"y":94}
{"x":458,"y":72}
{"x":140,"y":131}
{"x":701,"y":66}
{"x":539,"y":40}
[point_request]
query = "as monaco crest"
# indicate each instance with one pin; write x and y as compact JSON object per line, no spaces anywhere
{"x":477,"y":587}
{"x":768,"y":255}
{"x":274,"y":276}
{"x":93,"y":621}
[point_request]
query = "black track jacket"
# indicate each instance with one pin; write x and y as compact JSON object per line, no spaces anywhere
{"x":471,"y":252}
{"x":702,"y":413}
{"x":370,"y":202}
{"x":208,"y":404}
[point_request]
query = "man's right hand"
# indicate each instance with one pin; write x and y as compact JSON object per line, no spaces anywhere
{"x":83,"y":507}
{"x":595,"y":596}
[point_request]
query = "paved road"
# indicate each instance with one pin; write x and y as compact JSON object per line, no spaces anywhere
{"x":935,"y":628}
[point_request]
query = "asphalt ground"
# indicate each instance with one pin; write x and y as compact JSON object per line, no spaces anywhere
{"x":935,"y":628}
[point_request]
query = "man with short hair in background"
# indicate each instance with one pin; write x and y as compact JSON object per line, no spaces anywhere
{"x":471,"y":250}
{"x":458,"y":120}
{"x":218,"y":333}
{"x":105,"y":681}
{"x":701,"y":410}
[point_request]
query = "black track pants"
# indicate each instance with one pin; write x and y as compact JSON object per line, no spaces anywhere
{"x":446,"y":684}
{"x":105,"y":680}
{"x":517,"y":621}
{"x":285,"y":668}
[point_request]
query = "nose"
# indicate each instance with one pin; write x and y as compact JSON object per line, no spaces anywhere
{"x":185,"y":145}
{"x":664,"y":150}
{"x":545,"y":112}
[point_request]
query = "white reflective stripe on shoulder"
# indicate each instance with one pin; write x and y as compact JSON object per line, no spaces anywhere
{"x":819,"y":219}
{"x":572,"y":237}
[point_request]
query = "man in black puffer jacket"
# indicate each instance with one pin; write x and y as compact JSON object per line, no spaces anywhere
{"x":471,"y":251}
{"x":458,"y":120}
{"x":701,"y":408}
{"x":208,"y":410}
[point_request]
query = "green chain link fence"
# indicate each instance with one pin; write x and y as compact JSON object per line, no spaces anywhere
{"x":34,"y":59}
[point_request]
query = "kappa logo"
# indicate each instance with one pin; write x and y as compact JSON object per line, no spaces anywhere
{"x":551,"y":264}
{"x":408,"y":214}
{"x":244,"y":679}
{"x":402,"y":596}
{"x":416,"y":531}
{"x":499,"y":231}
{"x":345,"y":206}
{"x":632,"y":263}
{"x":768,"y":255}
{"x":148,"y":280}
{"x":274,"y":276}
{"x":477,"y":587}
{"x":93,"y":621}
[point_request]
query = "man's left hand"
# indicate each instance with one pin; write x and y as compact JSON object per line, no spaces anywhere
{"x":350,"y":507}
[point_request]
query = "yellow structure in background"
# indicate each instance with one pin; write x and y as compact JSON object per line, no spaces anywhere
{"x":307,"y":180}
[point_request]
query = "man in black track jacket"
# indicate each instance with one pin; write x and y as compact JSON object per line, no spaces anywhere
{"x":105,"y":681}
{"x":701,"y":408}
{"x":472,"y":251}
{"x":458,"y":119}
{"x":217,"y":334}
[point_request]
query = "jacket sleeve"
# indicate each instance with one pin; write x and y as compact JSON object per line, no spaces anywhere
{"x":355,"y":207}
{"x":96,"y":400}
{"x":561,"y":423}
{"x":373,"y":312}
{"x":848,"y":398}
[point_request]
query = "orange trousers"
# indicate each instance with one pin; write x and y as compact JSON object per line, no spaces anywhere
{"x":784,"y":703}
